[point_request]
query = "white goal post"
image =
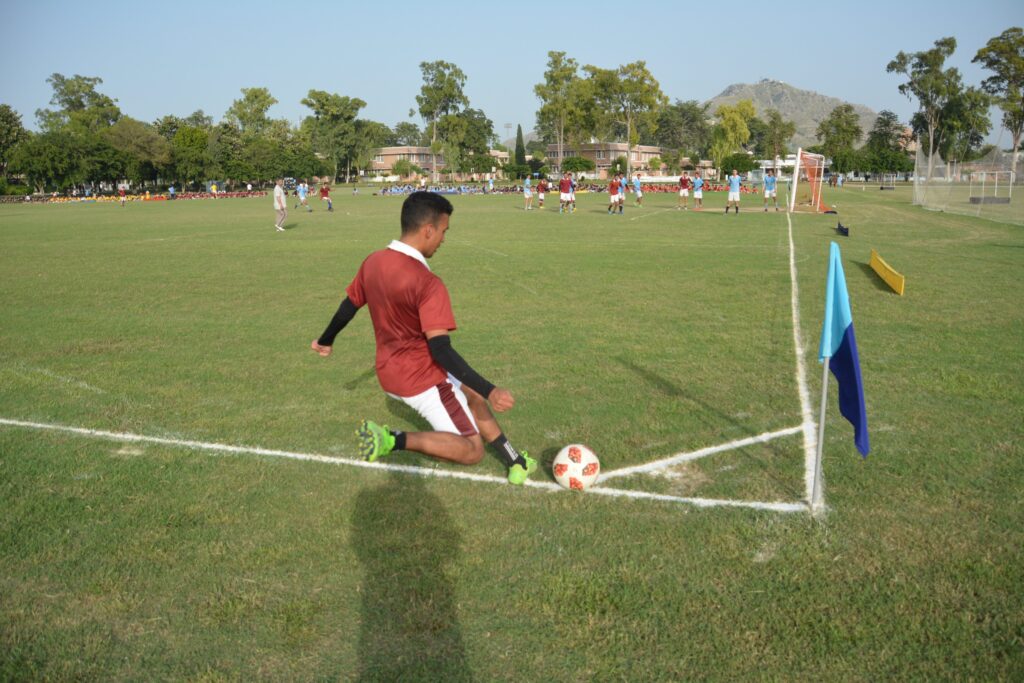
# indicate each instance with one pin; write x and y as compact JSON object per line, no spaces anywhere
{"x":808,"y":169}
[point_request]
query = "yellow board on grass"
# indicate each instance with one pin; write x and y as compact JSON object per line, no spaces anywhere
{"x":885,"y":271}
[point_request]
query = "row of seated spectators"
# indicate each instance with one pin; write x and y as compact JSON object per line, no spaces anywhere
{"x":147,"y":197}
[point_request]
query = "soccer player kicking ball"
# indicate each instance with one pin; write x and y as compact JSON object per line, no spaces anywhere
{"x":770,"y":192}
{"x":416,"y":364}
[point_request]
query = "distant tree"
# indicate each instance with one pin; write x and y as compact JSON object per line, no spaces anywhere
{"x":11,"y":133}
{"x":778,"y":133}
{"x":146,"y":151}
{"x":79,"y":105}
{"x":741,"y":161}
{"x":407,"y":133}
{"x":932,"y":85}
{"x":520,"y":155}
{"x":620,"y":165}
{"x":964,"y":124}
{"x":1004,"y":56}
{"x":249,"y":113}
{"x":199,"y":119}
{"x":733,"y":127}
{"x":883,"y":151}
{"x":683,"y":126}
{"x":655,"y":163}
{"x":839,"y":133}
{"x":441,"y":94}
{"x":629,"y":97}
{"x":577,"y":164}
{"x":333,"y":126}
{"x":191,"y":154}
{"x":721,"y":147}
{"x":559,"y":96}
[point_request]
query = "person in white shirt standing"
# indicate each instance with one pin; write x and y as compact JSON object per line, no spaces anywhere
{"x":280,"y":204}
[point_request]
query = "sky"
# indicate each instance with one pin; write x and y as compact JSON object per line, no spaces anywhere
{"x":175,"y":58}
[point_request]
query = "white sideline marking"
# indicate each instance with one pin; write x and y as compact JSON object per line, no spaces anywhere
{"x":809,"y":426}
{"x":648,"y":214}
{"x":407,"y":469}
{"x":696,"y":455}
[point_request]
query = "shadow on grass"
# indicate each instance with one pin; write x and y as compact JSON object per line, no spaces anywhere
{"x":405,"y":541}
{"x":669,"y":389}
{"x":870,"y":273}
{"x":359,"y":379}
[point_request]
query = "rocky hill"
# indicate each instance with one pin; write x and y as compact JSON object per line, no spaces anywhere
{"x":805,"y":107}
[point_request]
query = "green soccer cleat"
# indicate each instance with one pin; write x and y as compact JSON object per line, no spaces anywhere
{"x":517,"y":474}
{"x":374,"y":440}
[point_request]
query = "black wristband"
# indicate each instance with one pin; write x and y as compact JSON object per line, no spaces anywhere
{"x":346,"y":311}
{"x":449,"y":359}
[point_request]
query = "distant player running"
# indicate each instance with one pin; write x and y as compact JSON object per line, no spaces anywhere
{"x":542,"y":187}
{"x":638,"y":190}
{"x":416,"y":364}
{"x":303,"y":191}
{"x":325,"y":196}
{"x":622,"y":193}
{"x":613,"y":194}
{"x":769,"y":190}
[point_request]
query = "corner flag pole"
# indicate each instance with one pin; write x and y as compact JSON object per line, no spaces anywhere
{"x":816,"y":492}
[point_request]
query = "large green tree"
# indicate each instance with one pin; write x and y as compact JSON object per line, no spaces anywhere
{"x":11,"y":133}
{"x":146,"y":152}
{"x":884,"y":150}
{"x":628,"y":96}
{"x":334,"y":126}
{"x":839,"y":133}
{"x":561,"y":102}
{"x":79,"y":105}
{"x":684,"y":128}
{"x":408,"y":133}
{"x":778,"y":133}
{"x":249,"y":113}
{"x":934,"y":87}
{"x":191,"y":154}
{"x":441,"y":94}
{"x":520,"y":154}
{"x":1004,"y":57}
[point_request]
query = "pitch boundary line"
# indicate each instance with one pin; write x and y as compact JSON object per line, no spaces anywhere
{"x":808,"y":425}
{"x":701,"y":453}
{"x":406,"y":469}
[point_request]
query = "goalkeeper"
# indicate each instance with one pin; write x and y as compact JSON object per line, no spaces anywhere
{"x":416,"y":364}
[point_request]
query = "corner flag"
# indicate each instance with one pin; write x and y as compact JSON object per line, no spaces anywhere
{"x":838,"y":350}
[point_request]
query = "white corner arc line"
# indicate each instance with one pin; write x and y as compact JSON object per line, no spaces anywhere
{"x":809,"y":426}
{"x":702,"y":453}
{"x":406,"y":469}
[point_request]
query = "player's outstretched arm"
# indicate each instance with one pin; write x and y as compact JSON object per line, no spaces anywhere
{"x":441,"y":350}
{"x":346,"y":311}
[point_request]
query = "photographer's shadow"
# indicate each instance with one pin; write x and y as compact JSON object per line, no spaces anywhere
{"x":406,"y":541}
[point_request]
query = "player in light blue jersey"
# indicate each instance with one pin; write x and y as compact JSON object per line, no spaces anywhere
{"x":637,"y":190}
{"x":527,"y":194}
{"x":734,"y":191}
{"x":622,"y":193}
{"x":770,"y":182}
{"x":698,"y":191}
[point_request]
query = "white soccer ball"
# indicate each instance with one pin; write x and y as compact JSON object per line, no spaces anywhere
{"x":576,"y":467}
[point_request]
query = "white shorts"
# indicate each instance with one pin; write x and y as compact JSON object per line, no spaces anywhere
{"x":565,"y":196}
{"x":684,"y":193}
{"x":540,"y":196}
{"x":698,"y":194}
{"x":444,"y":406}
{"x":734,"y":196}
{"x":527,"y":194}
{"x":614,"y":199}
{"x":639,"y":194}
{"x":770,"y":194}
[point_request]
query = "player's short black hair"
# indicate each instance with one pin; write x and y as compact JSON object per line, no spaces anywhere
{"x":421,"y":208}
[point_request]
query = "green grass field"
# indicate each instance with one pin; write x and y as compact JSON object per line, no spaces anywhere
{"x":645,"y":335}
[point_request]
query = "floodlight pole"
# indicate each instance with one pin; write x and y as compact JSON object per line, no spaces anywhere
{"x":816,"y":490}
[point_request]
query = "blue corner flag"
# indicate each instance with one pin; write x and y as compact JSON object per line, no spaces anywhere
{"x":839,"y":345}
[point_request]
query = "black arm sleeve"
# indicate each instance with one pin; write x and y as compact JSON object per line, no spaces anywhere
{"x":449,"y":359}
{"x":346,"y":311}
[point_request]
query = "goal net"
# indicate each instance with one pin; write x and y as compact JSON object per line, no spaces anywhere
{"x":888,"y":181}
{"x":983,"y":187}
{"x":808,"y":178}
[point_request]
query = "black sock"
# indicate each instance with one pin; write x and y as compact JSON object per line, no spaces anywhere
{"x":508,"y":454}
{"x":399,"y":440}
